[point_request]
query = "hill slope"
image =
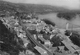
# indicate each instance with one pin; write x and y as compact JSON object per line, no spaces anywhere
{"x":38,"y":8}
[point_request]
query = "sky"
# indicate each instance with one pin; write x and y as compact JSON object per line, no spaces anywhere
{"x":70,"y":4}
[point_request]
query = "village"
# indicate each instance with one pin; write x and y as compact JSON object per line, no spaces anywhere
{"x":48,"y":39}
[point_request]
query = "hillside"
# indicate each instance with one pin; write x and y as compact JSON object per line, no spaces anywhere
{"x":38,"y":8}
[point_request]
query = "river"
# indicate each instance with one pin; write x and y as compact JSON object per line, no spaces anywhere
{"x":61,"y":23}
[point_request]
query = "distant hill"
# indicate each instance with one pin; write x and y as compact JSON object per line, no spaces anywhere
{"x":38,"y":8}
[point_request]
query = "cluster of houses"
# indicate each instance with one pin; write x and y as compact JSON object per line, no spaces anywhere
{"x":41,"y":28}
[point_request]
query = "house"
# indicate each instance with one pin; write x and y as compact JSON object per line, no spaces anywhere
{"x":53,"y":49}
{"x":41,"y":51}
{"x":41,"y":38}
{"x":61,"y":48}
{"x":69,"y":46}
{"x":48,"y":43}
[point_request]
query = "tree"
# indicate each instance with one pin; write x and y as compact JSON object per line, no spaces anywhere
{"x":49,"y":22}
{"x":67,"y":16}
{"x":56,"y":40}
{"x":11,"y":43}
{"x":75,"y":37}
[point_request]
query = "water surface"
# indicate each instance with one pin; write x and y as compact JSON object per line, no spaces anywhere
{"x":61,"y":23}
